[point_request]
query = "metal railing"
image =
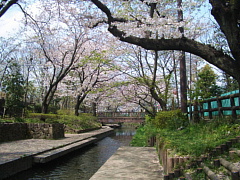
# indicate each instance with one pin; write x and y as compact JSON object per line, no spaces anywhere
{"x":121,"y":114}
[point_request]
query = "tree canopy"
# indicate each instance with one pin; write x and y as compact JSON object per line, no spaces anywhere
{"x":225,"y":12}
{"x":152,"y":25}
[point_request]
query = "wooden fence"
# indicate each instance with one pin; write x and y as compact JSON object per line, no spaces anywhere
{"x":220,"y":106}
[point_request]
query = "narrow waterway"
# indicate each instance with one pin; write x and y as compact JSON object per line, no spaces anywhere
{"x":81,"y":164}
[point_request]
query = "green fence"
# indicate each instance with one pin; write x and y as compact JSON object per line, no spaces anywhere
{"x":224,"y":105}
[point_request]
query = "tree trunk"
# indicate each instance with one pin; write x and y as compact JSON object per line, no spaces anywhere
{"x":196,"y":118}
{"x":183,"y":83}
{"x":44,"y":108}
{"x":183,"y":77}
{"x":77,"y":106}
{"x":94,"y":109}
{"x":176,"y":80}
{"x":155,"y":96}
{"x":239,"y":93}
{"x":80,"y":99}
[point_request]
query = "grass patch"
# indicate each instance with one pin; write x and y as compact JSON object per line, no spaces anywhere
{"x":192,"y":140}
{"x":139,"y":139}
{"x":143,"y":133}
{"x":197,"y":139}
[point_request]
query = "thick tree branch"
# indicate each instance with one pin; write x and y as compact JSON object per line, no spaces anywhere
{"x":218,"y":58}
{"x":209,"y":53}
{"x":104,"y":9}
{"x":183,"y":43}
{"x":227,"y":14}
{"x":5,"y":5}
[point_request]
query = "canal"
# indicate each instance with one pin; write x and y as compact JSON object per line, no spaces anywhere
{"x":81,"y":164}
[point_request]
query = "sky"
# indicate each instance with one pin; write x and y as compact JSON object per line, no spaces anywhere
{"x":10,"y":21}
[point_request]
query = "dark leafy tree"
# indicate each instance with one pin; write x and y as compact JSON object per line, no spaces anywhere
{"x":13,"y":86}
{"x":230,"y":84}
{"x":206,"y":85}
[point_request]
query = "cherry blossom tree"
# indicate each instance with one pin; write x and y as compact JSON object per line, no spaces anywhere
{"x":127,"y":28}
{"x":136,"y":93}
{"x":61,"y":39}
{"x":140,"y":22}
{"x":151,"y":70}
{"x":112,"y":99}
{"x":93,"y":71}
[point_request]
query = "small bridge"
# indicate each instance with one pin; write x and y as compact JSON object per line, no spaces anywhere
{"x":121,"y":117}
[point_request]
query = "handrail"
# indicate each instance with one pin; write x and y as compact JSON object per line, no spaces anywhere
{"x":121,"y":114}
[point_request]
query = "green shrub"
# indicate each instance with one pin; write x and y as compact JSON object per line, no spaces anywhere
{"x":170,"y":119}
{"x":73,"y":123}
{"x":144,"y":133}
{"x":83,"y":121}
{"x":18,"y":120}
{"x":6,"y":120}
{"x":53,"y":109}
{"x":193,"y":139}
{"x":65,"y":112}
{"x":140,"y":138}
{"x":48,"y":118}
{"x":197,"y":139}
{"x":32,"y":120}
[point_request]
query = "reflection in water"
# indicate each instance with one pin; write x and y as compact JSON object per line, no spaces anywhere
{"x":80,"y":164}
{"x":124,"y":136}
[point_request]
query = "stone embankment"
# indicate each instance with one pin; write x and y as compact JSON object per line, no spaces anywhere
{"x":20,"y":155}
{"x":17,"y":131}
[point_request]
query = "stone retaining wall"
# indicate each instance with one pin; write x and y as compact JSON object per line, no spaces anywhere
{"x":17,"y":131}
{"x":13,"y":131}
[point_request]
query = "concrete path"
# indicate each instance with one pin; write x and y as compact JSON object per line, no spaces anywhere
{"x":16,"y":156}
{"x":16,"y":149}
{"x":131,"y":163}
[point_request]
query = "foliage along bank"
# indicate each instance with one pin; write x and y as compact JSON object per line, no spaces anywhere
{"x":71,"y":122}
{"x":184,"y":138}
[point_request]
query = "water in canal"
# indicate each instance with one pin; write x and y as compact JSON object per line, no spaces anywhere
{"x":81,"y":164}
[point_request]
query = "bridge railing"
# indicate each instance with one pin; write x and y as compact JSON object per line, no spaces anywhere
{"x":121,"y":114}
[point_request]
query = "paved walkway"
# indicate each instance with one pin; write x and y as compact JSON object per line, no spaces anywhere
{"x":16,"y":149}
{"x":16,"y":156}
{"x":129,"y":163}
